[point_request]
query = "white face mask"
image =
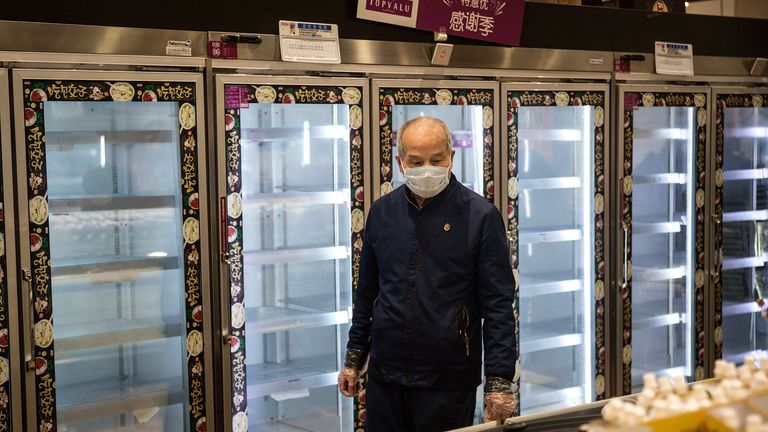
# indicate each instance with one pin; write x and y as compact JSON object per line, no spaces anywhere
{"x":427,"y":181}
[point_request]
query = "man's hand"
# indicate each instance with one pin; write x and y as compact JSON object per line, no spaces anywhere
{"x":354,"y":364}
{"x":348,"y":382}
{"x":499,"y":406}
{"x":500,"y":399}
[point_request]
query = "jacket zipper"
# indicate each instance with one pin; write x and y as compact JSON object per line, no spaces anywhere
{"x":373,"y":313}
{"x":375,"y":305}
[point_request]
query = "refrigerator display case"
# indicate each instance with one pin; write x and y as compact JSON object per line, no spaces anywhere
{"x":661,"y":234}
{"x":115,"y":249}
{"x":555,"y":176}
{"x":740,"y":231}
{"x":293,"y":158}
{"x":468,"y":108}
{"x":10,"y":368}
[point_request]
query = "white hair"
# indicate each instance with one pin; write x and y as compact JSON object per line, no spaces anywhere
{"x":432,"y":121}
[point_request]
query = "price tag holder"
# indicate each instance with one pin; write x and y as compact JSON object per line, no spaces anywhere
{"x":222,"y":50}
{"x":309,"y":42}
{"x":674,"y":58}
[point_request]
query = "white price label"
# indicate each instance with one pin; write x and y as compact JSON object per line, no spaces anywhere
{"x":674,"y":58}
{"x":309,"y":42}
{"x":179,"y":48}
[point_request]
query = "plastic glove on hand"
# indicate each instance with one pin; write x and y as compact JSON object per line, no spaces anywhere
{"x":348,"y":382}
{"x":499,"y":406}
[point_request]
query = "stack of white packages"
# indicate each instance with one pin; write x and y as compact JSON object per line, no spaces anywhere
{"x":665,"y":398}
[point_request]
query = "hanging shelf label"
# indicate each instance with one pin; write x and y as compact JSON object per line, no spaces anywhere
{"x":309,"y":42}
{"x":674,"y":58}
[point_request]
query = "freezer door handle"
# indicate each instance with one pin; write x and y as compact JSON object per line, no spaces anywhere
{"x":715,"y":274}
{"x":625,"y":227}
{"x":223,"y":229}
{"x":26,"y":275}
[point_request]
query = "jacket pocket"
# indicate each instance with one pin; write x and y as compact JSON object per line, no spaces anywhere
{"x":462,"y":327}
{"x":373,"y":315}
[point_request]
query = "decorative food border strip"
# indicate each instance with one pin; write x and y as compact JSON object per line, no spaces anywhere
{"x":5,"y":350}
{"x":633,"y":100}
{"x":281,"y":94}
{"x":596,"y":98}
{"x":36,"y":94}
{"x":723,"y":102}
{"x":390,"y":96}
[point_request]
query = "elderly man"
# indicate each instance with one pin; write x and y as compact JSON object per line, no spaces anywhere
{"x":434,"y":264}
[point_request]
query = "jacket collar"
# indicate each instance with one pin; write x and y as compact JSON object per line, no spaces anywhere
{"x":435,"y":200}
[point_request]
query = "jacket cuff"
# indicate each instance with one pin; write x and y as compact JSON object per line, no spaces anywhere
{"x":499,"y":385}
{"x":355,"y":358}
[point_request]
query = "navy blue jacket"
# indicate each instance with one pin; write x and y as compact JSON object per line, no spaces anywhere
{"x":427,"y":278}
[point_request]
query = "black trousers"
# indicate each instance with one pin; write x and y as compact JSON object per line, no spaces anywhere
{"x":396,"y":408}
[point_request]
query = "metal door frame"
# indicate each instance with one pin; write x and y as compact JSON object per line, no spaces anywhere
{"x":19,"y":75}
{"x":621,"y":88}
{"x":410,"y":83}
{"x":507,"y":87}
{"x":222,"y":78}
{"x":11,"y":282}
{"x":714,"y":301}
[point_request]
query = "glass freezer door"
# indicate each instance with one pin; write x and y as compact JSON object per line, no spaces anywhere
{"x":741,"y":239}
{"x":467,"y":108}
{"x":662,"y":233}
{"x":555,"y":211}
{"x":113,"y":241}
{"x":295,"y":212}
